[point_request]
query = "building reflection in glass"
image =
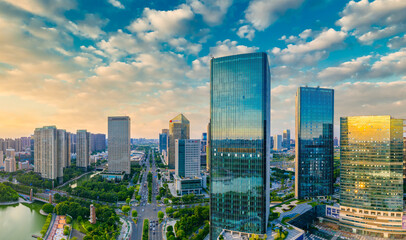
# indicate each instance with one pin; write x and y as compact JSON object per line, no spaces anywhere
{"x":314,"y":142}
{"x":239,"y":132}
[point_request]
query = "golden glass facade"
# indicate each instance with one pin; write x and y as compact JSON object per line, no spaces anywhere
{"x":371,"y":181}
{"x":179,"y":128}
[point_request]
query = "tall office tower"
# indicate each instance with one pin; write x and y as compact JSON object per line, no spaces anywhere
{"x":163,"y":140}
{"x":98,"y":142}
{"x":63,"y":152}
{"x":178,"y":129}
{"x":203,"y":143}
{"x":82,"y":149}
{"x":208,"y":153}
{"x":187,"y":158}
{"x":119,"y":144}
{"x":240,"y":133}
{"x":271,"y":144}
{"x":314,"y":142}
{"x":51,"y":148}
{"x":277,"y":142}
{"x":371,"y":180}
{"x":286,"y":139}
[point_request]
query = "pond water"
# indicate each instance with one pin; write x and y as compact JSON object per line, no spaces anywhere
{"x":21,"y":221}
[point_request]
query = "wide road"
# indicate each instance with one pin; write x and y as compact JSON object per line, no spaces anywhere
{"x":148,"y":210}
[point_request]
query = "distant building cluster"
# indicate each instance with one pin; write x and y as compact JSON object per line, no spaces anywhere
{"x":9,"y":163}
{"x":184,"y":156}
{"x":22,"y":144}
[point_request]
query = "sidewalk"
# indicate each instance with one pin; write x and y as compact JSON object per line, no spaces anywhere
{"x":126,"y":228}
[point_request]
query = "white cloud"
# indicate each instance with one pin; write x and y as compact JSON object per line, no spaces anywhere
{"x":246,"y":31}
{"x":228,"y":47}
{"x":119,"y":45}
{"x":200,"y":67}
{"x":306,"y":34}
{"x":262,"y":13}
{"x":116,"y":4}
{"x":397,"y":42}
{"x":374,"y":20}
{"x":369,"y":98}
{"x":390,"y":64}
{"x":49,"y":9}
{"x":90,"y":27}
{"x":310,"y":52}
{"x":182,"y":45}
{"x":160,"y":25}
{"x":346,"y":70}
{"x":212,"y":11}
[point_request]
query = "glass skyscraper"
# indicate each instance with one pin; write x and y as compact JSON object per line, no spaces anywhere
{"x":371,"y":181}
{"x":314,"y":142}
{"x":239,"y":143}
{"x":179,"y":128}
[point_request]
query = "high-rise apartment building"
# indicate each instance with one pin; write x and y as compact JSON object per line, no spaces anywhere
{"x":63,"y":152}
{"x":371,"y":178}
{"x":83,"y":149}
{"x":51,"y":152}
{"x":10,"y":161}
{"x":314,"y":142}
{"x":1,"y":160}
{"x":187,"y":158}
{"x":239,"y":142}
{"x":286,"y":139}
{"x":277,"y":142}
{"x":119,"y":129}
{"x":98,"y":142}
{"x":178,"y":129}
{"x":73,"y":143}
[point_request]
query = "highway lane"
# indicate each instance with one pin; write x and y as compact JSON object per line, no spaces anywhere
{"x":148,"y":210}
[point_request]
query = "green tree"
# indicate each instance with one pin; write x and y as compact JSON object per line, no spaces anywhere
{"x":169,"y":210}
{"x":161,"y":214}
{"x":126,"y":209}
{"x":48,"y":208}
{"x":134,"y":213}
{"x":128,"y":200}
{"x":7,"y":193}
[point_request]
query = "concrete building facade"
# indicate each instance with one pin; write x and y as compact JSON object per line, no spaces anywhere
{"x":119,"y":136}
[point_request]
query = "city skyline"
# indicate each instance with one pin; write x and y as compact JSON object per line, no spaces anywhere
{"x":56,"y":56}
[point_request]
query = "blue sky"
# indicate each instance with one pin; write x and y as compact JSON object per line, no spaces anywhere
{"x":72,"y":63}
